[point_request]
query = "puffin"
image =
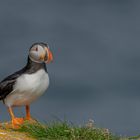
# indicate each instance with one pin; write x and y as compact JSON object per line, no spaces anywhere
{"x":28,"y":84}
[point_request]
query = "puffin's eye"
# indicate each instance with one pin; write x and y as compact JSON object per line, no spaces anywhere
{"x":36,"y":48}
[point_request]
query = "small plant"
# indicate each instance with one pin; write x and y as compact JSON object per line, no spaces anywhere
{"x":65,"y":131}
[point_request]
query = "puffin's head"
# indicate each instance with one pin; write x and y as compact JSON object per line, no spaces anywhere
{"x":40,"y":52}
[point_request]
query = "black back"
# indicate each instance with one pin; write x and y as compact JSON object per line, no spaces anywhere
{"x":7,"y":85}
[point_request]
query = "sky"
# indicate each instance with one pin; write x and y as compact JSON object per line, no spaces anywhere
{"x":96,"y":69}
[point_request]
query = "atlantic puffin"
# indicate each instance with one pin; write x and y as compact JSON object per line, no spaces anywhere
{"x":26,"y":85}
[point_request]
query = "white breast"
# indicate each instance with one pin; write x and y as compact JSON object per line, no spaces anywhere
{"x":28,"y":88}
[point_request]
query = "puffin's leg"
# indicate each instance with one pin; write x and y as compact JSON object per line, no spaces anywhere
{"x":28,"y":115}
{"x":15,"y":121}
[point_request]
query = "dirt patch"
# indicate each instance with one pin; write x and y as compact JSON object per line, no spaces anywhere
{"x":6,"y":133}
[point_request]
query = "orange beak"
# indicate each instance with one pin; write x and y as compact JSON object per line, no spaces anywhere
{"x":49,"y":54}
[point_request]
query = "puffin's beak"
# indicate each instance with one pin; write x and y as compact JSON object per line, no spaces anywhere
{"x":49,"y":55}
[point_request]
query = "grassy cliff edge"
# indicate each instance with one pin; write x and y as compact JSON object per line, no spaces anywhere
{"x":58,"y":131}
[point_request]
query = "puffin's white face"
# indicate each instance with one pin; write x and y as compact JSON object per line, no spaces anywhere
{"x":40,"y":52}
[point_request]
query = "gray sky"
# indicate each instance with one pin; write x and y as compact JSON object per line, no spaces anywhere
{"x":96,"y":69}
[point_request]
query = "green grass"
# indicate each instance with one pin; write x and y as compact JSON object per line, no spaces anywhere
{"x":65,"y":131}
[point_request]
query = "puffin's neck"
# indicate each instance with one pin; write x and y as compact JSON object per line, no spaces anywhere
{"x":32,"y":67}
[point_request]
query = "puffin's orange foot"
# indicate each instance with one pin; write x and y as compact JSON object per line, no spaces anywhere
{"x":16,"y":122}
{"x":28,"y":118}
{"x":31,"y":120}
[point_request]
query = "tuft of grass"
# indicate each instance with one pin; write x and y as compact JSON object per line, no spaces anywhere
{"x":134,"y":137}
{"x":65,"y":131}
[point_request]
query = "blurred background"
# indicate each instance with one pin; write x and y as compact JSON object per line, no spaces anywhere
{"x":96,"y":69}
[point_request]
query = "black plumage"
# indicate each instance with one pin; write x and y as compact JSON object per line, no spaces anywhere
{"x":7,"y":85}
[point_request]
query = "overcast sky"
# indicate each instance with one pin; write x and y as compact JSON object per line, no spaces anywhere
{"x":96,"y":68}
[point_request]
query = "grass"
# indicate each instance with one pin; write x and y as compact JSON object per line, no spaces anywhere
{"x":59,"y":130}
{"x":65,"y":131}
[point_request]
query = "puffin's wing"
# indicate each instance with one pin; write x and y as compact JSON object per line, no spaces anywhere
{"x":6,"y":86}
